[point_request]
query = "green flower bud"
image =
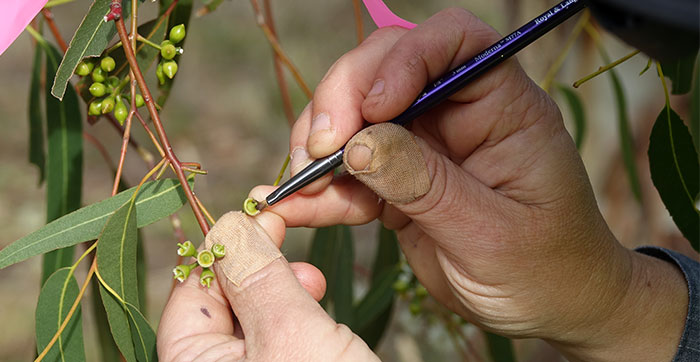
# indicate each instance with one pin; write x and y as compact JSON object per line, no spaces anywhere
{"x":112,"y":82}
{"x":205,"y":258}
{"x":177,"y":33}
{"x":181,"y":272}
{"x":97,"y":89}
{"x":99,"y":75}
{"x":84,"y":68}
{"x":120,"y":111}
{"x":170,"y":68}
{"x":206,"y":277}
{"x":218,"y":250}
{"x":159,"y":74}
{"x":139,"y":100}
{"x":400,"y":286}
{"x":107,"y":64}
{"x":107,"y":105}
{"x":415,"y":307}
{"x":95,"y":108}
{"x":168,"y":51}
{"x":421,"y":292}
{"x":186,"y":249}
{"x":249,"y":206}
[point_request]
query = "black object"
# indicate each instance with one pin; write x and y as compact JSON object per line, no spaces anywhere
{"x":663,"y":29}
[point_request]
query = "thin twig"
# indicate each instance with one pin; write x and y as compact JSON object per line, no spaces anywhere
{"x":279,"y":72}
{"x":206,"y":212}
{"x":149,"y":132}
{"x":281,"y":174}
{"x":554,"y":69}
{"x":272,"y":39}
{"x":48,"y":15}
{"x":604,"y":69}
{"x":122,"y":153}
{"x":150,"y":105}
{"x":357,"y":8}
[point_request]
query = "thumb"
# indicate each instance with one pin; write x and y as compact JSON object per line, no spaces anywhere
{"x":416,"y":179}
{"x":262,"y":289}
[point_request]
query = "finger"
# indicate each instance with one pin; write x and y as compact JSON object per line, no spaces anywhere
{"x":310,"y":278}
{"x":338,"y":98}
{"x":299,"y":156}
{"x":268,"y":299}
{"x":346,"y":201}
{"x":442,"y":42}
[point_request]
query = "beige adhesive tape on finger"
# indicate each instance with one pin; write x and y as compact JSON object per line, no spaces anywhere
{"x":248,"y":247}
{"x":396,"y":171}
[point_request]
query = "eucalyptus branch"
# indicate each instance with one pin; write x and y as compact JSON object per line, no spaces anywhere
{"x":554,"y":69}
{"x":122,"y":154}
{"x":272,"y":39}
{"x":279,"y":72}
{"x":604,"y":69}
{"x":48,"y":15}
{"x":150,"y":105}
{"x":357,"y":9}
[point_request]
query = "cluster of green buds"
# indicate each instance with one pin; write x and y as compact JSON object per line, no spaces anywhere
{"x":409,"y":288}
{"x":167,"y":67}
{"x":204,"y":258}
{"x":105,"y":88}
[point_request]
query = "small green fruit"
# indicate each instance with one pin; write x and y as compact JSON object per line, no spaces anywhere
{"x":205,"y":258}
{"x":206,"y":277}
{"x":84,"y":68}
{"x":139,"y":100}
{"x":170,"y":68}
{"x":99,"y":75}
{"x":219,"y":250}
{"x":250,"y":206}
{"x":186,"y":249}
{"x":159,"y":74}
{"x":177,"y":33}
{"x":95,"y":108}
{"x":168,"y":51}
{"x":415,"y":307}
{"x":98,"y":89}
{"x":107,"y":64}
{"x":112,"y":82}
{"x":107,"y":105}
{"x":120,"y":111}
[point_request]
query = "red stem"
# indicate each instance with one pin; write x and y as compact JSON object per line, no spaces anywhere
{"x":151,"y":106}
{"x":48,"y":15}
{"x":279,"y":71}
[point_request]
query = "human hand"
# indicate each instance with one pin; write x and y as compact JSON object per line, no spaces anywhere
{"x":275,"y":316}
{"x":508,"y":234}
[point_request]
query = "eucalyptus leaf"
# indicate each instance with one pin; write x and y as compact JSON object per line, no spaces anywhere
{"x":118,"y":319}
{"x":64,"y":164}
{"x":500,"y":348}
{"x":108,"y":350}
{"x":156,"y":200}
{"x":578,"y":113}
{"x":90,"y":40}
{"x":37,"y":154}
{"x":695,"y":108}
{"x":116,"y":253}
{"x":333,"y":253}
{"x":680,"y":72}
{"x":675,"y":172}
{"x":626,"y":137}
{"x":378,"y":299}
{"x":55,"y":301}
{"x":142,"y":335}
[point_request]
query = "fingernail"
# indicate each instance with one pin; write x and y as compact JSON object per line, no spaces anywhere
{"x":377,"y":88}
{"x":359,"y":157}
{"x":320,"y":123}
{"x":299,"y":160}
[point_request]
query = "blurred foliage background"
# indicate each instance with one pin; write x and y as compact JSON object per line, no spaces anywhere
{"x":226,"y":113}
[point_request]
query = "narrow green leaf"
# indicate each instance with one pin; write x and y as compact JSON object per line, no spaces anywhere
{"x":89,"y":40}
{"x":626,"y":138}
{"x":156,"y":200}
{"x":108,"y":350}
{"x":681,"y":73}
{"x":377,"y":300}
{"x":141,"y":272}
{"x":118,"y":324}
{"x":116,"y":253}
{"x":180,"y":15}
{"x":578,"y":113}
{"x":55,"y":300}
{"x":695,"y":108}
{"x":64,"y":165}
{"x":675,"y":172}
{"x":333,"y":253}
{"x":37,"y":154}
{"x":500,"y":348}
{"x":142,"y":335}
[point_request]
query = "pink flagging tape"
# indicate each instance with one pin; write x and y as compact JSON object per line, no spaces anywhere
{"x":382,"y":15}
{"x":15,"y":15}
